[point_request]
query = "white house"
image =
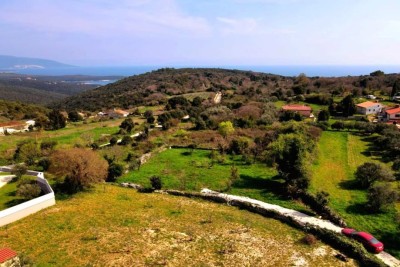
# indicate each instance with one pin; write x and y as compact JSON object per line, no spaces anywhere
{"x":369,"y":107}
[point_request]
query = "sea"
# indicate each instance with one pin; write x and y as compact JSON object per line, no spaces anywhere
{"x":289,"y":70}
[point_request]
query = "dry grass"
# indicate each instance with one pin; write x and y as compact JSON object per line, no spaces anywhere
{"x":114,"y":226}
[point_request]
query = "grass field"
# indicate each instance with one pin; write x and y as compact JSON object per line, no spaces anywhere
{"x":65,"y":137}
{"x":179,"y":170}
{"x":340,"y":153}
{"x":125,"y":228}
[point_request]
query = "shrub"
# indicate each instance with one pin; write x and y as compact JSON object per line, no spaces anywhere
{"x":126,"y":140}
{"x":309,"y":239}
{"x":381,"y":197}
{"x":337,"y":125}
{"x":18,"y":170}
{"x":156,"y":182}
{"x":28,"y":189}
{"x":115,"y":170}
{"x":369,"y":172}
{"x":323,"y":115}
{"x":44,"y":163}
{"x":113,"y":140}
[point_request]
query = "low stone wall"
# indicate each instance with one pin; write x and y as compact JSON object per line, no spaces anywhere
{"x":323,"y":229}
{"x":32,"y":206}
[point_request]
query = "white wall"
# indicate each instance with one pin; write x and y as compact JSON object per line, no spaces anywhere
{"x":32,"y":206}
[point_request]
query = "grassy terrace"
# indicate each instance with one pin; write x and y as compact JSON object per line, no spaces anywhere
{"x":340,"y":153}
{"x":179,"y":169}
{"x":7,"y":194}
{"x":125,"y":228}
{"x":68,"y":136}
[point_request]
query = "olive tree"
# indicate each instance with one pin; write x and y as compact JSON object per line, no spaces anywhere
{"x":369,"y":172}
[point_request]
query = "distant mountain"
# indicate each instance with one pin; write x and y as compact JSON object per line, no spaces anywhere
{"x":10,"y":63}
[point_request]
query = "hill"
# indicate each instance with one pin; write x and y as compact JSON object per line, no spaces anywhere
{"x":45,"y":89}
{"x":16,"y":63}
{"x":125,"y":228}
{"x":156,"y":87}
{"x":11,"y":110}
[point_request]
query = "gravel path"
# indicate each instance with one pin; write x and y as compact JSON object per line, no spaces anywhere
{"x":4,"y":179}
{"x":300,"y":217}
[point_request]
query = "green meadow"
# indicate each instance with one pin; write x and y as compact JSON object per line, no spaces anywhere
{"x":340,"y":153}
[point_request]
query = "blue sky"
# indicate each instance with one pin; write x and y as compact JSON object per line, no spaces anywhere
{"x":203,"y":32}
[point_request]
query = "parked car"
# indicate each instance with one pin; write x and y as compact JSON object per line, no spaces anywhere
{"x":368,"y":240}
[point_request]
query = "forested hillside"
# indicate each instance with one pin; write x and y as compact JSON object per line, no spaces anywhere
{"x":43,"y":89}
{"x":10,"y":110}
{"x":155,"y":87}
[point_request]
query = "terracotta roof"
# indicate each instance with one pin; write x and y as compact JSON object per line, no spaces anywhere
{"x":296,"y":107}
{"x":6,"y":254}
{"x":11,"y":123}
{"x":367,"y":104}
{"x":393,"y":110}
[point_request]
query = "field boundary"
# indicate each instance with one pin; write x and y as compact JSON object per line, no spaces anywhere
{"x":323,"y":229}
{"x":32,"y":206}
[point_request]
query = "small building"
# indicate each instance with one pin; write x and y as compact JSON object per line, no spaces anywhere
{"x":121,"y":113}
{"x":16,"y":126}
{"x":301,"y":109}
{"x":8,"y":257}
{"x":369,"y":107}
{"x":391,"y":114}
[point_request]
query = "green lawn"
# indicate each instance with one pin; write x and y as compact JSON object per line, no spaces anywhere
{"x":114,"y":226}
{"x":178,"y":170}
{"x":340,"y":153}
{"x":7,"y":194}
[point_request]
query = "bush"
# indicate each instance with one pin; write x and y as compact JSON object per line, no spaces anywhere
{"x":113,"y":140}
{"x":28,"y":189}
{"x":18,"y":170}
{"x":337,"y":125}
{"x":44,"y":163}
{"x":369,"y":172}
{"x":156,"y":182}
{"x":381,"y":197}
{"x":126,"y":140}
{"x":309,"y":239}
{"x":115,"y":170}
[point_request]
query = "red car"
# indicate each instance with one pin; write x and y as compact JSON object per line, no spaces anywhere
{"x":368,"y":240}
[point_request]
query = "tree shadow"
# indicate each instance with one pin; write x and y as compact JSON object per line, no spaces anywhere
{"x":14,"y":202}
{"x":273,"y":185}
{"x":358,"y":208}
{"x":349,"y":185}
{"x":391,"y":241}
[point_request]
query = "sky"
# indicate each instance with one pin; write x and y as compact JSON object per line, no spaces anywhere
{"x":203,"y":32}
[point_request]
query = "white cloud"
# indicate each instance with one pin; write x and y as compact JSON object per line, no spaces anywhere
{"x":239,"y":26}
{"x":105,"y":17}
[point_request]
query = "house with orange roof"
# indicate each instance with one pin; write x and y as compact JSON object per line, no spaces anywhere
{"x":8,"y":257}
{"x":369,"y":107}
{"x":391,"y":114}
{"x":301,"y":109}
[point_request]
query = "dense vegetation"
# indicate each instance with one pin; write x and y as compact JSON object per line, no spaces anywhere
{"x":156,"y":87}
{"x":10,"y":110}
